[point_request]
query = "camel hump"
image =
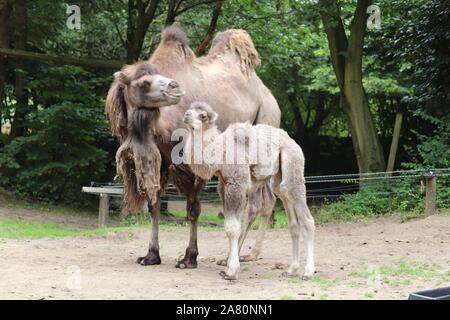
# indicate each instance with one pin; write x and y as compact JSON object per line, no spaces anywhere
{"x":175,"y":34}
{"x":239,"y":41}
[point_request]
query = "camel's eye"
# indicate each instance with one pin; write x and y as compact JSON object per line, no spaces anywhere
{"x":146,"y":83}
{"x":203,"y":116}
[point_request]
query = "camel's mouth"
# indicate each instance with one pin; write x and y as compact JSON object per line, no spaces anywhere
{"x":174,"y":94}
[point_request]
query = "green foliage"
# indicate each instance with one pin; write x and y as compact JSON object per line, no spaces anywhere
{"x":376,"y":200}
{"x":58,"y":157}
{"x":66,"y":143}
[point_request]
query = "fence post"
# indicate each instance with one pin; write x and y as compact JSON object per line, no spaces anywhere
{"x":103,"y":210}
{"x":430,"y":194}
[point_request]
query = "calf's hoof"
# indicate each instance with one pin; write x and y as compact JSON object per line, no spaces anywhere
{"x":222,"y":262}
{"x":309,"y":272}
{"x":290,"y":274}
{"x":248,"y":258}
{"x":225,"y":276}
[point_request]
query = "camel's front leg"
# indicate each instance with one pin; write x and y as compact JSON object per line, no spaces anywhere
{"x":235,"y":201}
{"x":233,"y":230}
{"x":190,"y":257}
{"x":152,"y":256}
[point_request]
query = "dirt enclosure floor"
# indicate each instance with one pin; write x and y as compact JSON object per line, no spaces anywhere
{"x":376,"y":259}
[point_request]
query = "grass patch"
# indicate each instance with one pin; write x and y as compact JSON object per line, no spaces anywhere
{"x":9,"y":200}
{"x":404,"y":273}
{"x":369,"y":295}
{"x":22,"y":229}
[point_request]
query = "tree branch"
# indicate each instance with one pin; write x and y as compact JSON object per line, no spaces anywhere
{"x":91,"y":63}
{"x":180,"y":11}
{"x":150,"y":11}
{"x":113,"y":21}
{"x":171,"y":12}
{"x":201,"y":49}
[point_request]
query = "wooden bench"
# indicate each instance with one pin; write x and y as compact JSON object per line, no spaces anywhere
{"x":105,"y":192}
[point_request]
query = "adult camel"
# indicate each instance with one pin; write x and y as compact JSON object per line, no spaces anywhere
{"x":225,"y":79}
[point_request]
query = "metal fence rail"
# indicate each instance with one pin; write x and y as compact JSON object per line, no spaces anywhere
{"x":328,"y":187}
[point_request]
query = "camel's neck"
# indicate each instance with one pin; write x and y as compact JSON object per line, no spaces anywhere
{"x":209,"y":135}
{"x":198,"y":144}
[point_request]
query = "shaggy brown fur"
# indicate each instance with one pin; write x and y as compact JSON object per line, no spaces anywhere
{"x":115,"y":106}
{"x":138,"y":161}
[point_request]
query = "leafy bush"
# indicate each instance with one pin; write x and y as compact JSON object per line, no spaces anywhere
{"x":58,"y":156}
{"x":405,"y":195}
{"x":67,"y":142}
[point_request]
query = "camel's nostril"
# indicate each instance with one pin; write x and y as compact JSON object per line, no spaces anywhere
{"x":173,"y":84}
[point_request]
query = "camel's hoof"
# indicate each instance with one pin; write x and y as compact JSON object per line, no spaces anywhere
{"x":149,"y":260}
{"x":186,"y":264}
{"x":247,"y":258}
{"x":288,"y":274}
{"x":222,"y":262}
{"x":306,"y":277}
{"x":224,"y":276}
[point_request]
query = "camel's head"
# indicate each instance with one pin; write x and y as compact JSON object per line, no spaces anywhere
{"x":144,"y":88}
{"x":200,"y":116}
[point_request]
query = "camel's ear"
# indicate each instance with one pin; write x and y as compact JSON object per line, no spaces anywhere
{"x":212,"y":116}
{"x":116,"y":109}
{"x":122,"y":78}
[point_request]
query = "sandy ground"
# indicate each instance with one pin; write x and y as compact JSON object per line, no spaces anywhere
{"x":103,"y":267}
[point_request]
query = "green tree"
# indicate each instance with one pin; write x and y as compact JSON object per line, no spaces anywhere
{"x":347,"y":56}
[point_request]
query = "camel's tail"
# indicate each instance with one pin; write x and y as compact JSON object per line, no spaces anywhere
{"x":240,"y":42}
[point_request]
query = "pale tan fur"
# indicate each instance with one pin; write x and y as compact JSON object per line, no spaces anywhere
{"x":284,"y":169}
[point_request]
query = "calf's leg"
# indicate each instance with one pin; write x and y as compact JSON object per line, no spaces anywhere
{"x":294,"y":229}
{"x":307,"y":229}
{"x":263,"y":203}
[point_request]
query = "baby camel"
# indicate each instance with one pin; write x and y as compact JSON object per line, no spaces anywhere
{"x":245,"y":158}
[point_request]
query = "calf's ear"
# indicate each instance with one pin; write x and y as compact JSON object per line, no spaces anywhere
{"x":212,"y":115}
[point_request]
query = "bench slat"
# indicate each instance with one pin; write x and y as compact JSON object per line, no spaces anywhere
{"x":100,"y":190}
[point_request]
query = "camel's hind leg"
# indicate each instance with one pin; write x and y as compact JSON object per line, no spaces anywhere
{"x":307,"y":231}
{"x":301,"y":223}
{"x":294,"y":229}
{"x":293,"y":190}
{"x":251,"y":216}
{"x":265,"y":202}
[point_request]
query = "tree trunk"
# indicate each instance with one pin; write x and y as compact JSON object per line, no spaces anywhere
{"x":346,"y":57}
{"x":140,"y":16}
{"x":394,"y":143}
{"x":20,"y":41}
{"x":5,"y":11}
